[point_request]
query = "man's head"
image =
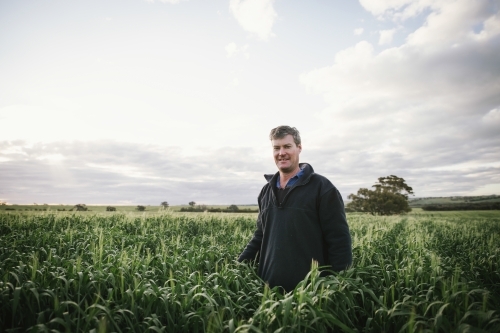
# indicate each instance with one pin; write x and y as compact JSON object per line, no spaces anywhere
{"x":287,"y":146}
{"x":282,"y":131}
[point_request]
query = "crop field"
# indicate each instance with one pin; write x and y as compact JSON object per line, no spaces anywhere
{"x":102,"y":208}
{"x":175,"y":272}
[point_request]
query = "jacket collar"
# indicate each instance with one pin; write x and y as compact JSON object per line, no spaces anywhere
{"x":308,"y":172}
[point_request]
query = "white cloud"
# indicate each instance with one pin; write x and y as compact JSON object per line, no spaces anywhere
{"x":358,"y":31}
{"x":414,"y":70}
{"x":491,"y":28}
{"x":386,"y":36}
{"x":235,"y":82}
{"x":398,"y":9}
{"x":426,"y":110}
{"x":54,"y":158}
{"x":413,"y":107}
{"x":492,"y":118}
{"x":255,"y":16}
{"x":232,"y":50}
{"x":167,"y":1}
{"x":103,"y":172}
{"x":452,"y":23}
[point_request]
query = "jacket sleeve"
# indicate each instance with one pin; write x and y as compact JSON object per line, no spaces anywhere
{"x":336,"y":236}
{"x":252,"y":250}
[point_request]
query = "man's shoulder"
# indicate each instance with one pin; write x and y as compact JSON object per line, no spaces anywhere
{"x":320,"y":178}
{"x":269,"y":176}
{"x":267,"y":185}
{"x":321,"y":181}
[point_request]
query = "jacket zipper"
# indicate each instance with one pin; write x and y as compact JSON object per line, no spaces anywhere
{"x":281,"y":204}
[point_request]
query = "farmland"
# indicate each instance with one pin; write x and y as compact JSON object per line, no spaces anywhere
{"x":166,"y":271}
{"x":102,"y":208}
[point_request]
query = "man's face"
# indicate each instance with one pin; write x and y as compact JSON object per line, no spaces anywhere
{"x":286,"y":154}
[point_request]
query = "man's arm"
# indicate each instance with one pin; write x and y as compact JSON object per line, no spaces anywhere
{"x":252,"y":249}
{"x":335,"y":230}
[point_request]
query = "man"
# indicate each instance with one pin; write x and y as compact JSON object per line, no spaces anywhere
{"x":301,"y":219}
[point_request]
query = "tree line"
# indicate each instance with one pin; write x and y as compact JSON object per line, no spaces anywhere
{"x":463,"y":206}
{"x":204,"y":208}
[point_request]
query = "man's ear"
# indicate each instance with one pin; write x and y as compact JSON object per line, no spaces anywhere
{"x":300,"y":147}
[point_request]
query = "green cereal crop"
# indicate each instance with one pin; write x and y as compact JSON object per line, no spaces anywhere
{"x":173,"y":272}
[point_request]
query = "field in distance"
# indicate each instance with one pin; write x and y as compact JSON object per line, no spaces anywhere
{"x":453,"y":200}
{"x":102,"y":208}
{"x":414,"y":203}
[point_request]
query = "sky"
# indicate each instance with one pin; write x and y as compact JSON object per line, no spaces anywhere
{"x":133,"y":102}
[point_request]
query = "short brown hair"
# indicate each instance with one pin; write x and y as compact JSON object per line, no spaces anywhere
{"x":282,"y":131}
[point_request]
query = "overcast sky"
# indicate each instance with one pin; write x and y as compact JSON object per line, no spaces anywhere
{"x":139,"y":102}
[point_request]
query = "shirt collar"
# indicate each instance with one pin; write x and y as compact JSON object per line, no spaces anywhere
{"x":291,"y":181}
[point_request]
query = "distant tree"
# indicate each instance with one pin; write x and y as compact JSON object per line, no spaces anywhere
{"x":110,"y":209}
{"x":192,"y":203}
{"x":141,"y":208}
{"x":2,"y":203}
{"x":80,"y":207}
{"x":164,"y":204}
{"x":389,"y":197}
{"x":233,"y":208}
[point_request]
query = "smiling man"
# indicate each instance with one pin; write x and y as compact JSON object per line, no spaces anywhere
{"x":301,"y":219}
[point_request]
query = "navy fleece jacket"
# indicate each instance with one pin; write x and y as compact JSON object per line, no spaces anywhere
{"x":310,"y":224}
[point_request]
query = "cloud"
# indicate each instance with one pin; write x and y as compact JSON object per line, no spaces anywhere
{"x":492,"y":118}
{"x":105,"y":172}
{"x":491,"y":28}
{"x":399,"y":9}
{"x":358,"y":31}
{"x":386,"y":36}
{"x":233,"y":50}
{"x":429,"y":102}
{"x":255,"y":16}
{"x":425,"y":110}
{"x":166,"y":1}
{"x":235,"y":82}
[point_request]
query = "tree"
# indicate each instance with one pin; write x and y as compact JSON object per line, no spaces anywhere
{"x":141,"y":208}
{"x":80,"y":208}
{"x":192,"y":203}
{"x":233,"y":208}
{"x":164,"y":204}
{"x":111,"y":209}
{"x":389,"y":197}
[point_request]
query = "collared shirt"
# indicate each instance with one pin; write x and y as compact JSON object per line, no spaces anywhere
{"x":291,"y":181}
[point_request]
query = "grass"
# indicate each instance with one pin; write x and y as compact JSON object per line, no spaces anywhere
{"x":175,"y":272}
